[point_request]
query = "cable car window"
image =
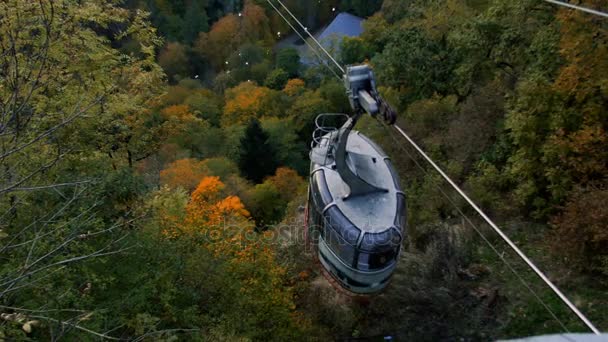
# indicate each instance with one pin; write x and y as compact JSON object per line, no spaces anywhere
{"x":340,"y":235}
{"x":348,"y":231}
{"x":400,"y":218}
{"x":377,"y":260}
{"x":379,"y":250}
{"x":344,"y":250}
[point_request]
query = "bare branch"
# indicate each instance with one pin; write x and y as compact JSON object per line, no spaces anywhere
{"x":74,"y":325}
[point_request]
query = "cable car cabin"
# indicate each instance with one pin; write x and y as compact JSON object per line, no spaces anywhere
{"x":359,"y":234}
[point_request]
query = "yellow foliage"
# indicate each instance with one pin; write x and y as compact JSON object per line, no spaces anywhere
{"x":287,"y":181}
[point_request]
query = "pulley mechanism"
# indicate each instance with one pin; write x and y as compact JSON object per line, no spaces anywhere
{"x":330,"y":146}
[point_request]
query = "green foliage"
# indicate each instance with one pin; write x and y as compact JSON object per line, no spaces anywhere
{"x":265,"y":204}
{"x":257,"y":157}
{"x":353,"y":51}
{"x":291,"y":151}
{"x":362,"y":8}
{"x":277,"y":79}
{"x":205,"y":105}
{"x":417,"y":63}
{"x":195,"y":21}
{"x":289,"y":60}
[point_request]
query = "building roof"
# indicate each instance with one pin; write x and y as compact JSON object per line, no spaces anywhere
{"x":344,"y":24}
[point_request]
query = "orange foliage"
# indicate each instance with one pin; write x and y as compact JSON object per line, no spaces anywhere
{"x":294,"y":86}
{"x":584,"y":152}
{"x":222,"y":39}
{"x":244,"y":102}
{"x":184,"y":173}
{"x":226,"y":231}
{"x":207,"y":208}
{"x":584,"y":45}
{"x":178,"y":120}
{"x":177,"y":112}
{"x":581,"y":231}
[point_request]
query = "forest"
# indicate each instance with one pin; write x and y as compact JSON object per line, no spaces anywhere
{"x":154,"y":161}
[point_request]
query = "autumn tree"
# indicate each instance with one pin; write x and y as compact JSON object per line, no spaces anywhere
{"x":255,"y":23}
{"x":287,"y":182}
{"x":580,"y":235}
{"x":294,"y":87}
{"x":220,"y":41}
{"x":184,"y":173}
{"x":244,"y":102}
{"x":174,"y":60}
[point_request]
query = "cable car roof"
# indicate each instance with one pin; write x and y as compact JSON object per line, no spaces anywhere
{"x":374,"y":212}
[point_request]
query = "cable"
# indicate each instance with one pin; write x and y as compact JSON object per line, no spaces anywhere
{"x":311,"y":36}
{"x":538,"y":272}
{"x":580,"y":8}
{"x":541,"y":275}
{"x":480,"y":233}
{"x":304,"y":39}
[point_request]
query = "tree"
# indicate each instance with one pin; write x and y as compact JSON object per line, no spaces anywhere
{"x":581,"y":230}
{"x":266,"y":204}
{"x":244,"y":102}
{"x":304,"y":111}
{"x":221,"y":41}
{"x":255,"y":23}
{"x":184,"y":173}
{"x":205,"y":105}
{"x":288,"y":59}
{"x":294,"y":87}
{"x":257,"y":158}
{"x":64,"y":84}
{"x":417,"y":63}
{"x":287,"y":182}
{"x":291,"y":151}
{"x":195,"y":21}
{"x":174,"y":60}
{"x":208,"y":209}
{"x":353,"y":50}
{"x":277,"y":79}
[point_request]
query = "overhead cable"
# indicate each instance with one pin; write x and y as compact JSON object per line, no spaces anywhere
{"x":312,"y":37}
{"x":579,"y":8}
{"x":304,"y":39}
{"x":482,"y":235}
{"x":511,"y":244}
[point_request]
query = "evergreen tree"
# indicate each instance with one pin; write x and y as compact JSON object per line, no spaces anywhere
{"x":257,"y":158}
{"x":195,"y":21}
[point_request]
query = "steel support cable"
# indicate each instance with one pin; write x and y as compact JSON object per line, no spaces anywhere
{"x":304,"y":39}
{"x":481,"y":234}
{"x":540,"y":274}
{"x":579,"y":8}
{"x":530,"y":264}
{"x":311,"y":36}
